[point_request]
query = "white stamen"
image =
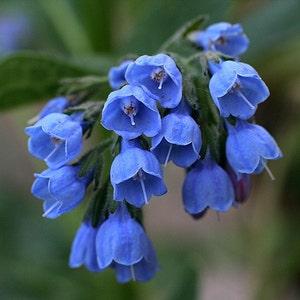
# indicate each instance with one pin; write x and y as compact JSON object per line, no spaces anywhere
{"x":132,"y":273}
{"x":140,"y":177}
{"x":131,"y":116}
{"x":144,"y":190}
{"x":52,"y":152}
{"x":269,"y":172}
{"x":160,"y":84}
{"x":245,"y":99}
{"x":58,"y":203}
{"x":168,"y":155}
{"x":218,"y":216}
{"x":33,"y":120}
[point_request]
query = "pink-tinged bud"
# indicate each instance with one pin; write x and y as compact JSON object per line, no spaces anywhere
{"x":241,"y":185}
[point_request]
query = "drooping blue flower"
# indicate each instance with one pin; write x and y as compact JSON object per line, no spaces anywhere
{"x":207,"y":185}
{"x":83,"y":251}
{"x":56,"y":138}
{"x":178,"y":140}
{"x":136,"y":175}
{"x":130,"y":112}
{"x":249,"y":146}
{"x":56,"y":105}
{"x":61,"y":189}
{"x":116,"y":74}
{"x":122,"y":243}
{"x":159,"y":76}
{"x":237,"y":89}
{"x":223,"y":37}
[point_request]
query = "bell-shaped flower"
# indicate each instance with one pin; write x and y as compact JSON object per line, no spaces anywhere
{"x":130,"y":112}
{"x":56,"y":138}
{"x":207,"y":185}
{"x":116,"y":74}
{"x":56,"y":105}
{"x":237,"y":89}
{"x":178,"y":140}
{"x":61,"y":189}
{"x":136,"y":175}
{"x":223,"y":37}
{"x":248,"y":147}
{"x":122,"y":243}
{"x":159,"y":76}
{"x":83,"y":251}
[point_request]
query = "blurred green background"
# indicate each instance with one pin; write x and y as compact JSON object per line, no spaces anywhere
{"x":252,"y":252}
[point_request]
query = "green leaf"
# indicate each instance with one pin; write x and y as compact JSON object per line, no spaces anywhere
{"x":27,"y":77}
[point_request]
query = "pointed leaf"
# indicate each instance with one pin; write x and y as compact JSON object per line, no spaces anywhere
{"x":27,"y":77}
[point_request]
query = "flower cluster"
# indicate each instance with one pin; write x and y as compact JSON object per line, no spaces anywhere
{"x":56,"y":138}
{"x":156,"y":113}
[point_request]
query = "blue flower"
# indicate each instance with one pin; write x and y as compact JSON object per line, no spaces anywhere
{"x":178,"y":140}
{"x":237,"y":89}
{"x":83,"y":251}
{"x":116,"y":75}
{"x":159,"y":76}
{"x":122,"y":243}
{"x":249,"y":146}
{"x":136,"y":175}
{"x":56,"y":138}
{"x":61,"y":189}
{"x":130,"y":112}
{"x":56,"y":105}
{"x":222,"y":37}
{"x":207,"y":185}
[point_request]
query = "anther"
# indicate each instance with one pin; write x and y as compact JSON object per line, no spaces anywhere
{"x":159,"y":76}
{"x":130,"y":111}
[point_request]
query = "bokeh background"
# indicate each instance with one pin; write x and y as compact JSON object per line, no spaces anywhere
{"x":252,"y":252}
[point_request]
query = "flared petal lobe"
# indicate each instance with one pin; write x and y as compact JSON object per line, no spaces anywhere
{"x":136,"y":175}
{"x":56,"y":139}
{"x":248,"y":146}
{"x":61,"y":189}
{"x":130,"y":112}
{"x":116,"y":74}
{"x":178,"y":140}
{"x":83,"y":251}
{"x":122,"y":244}
{"x":159,"y":77}
{"x":237,"y":89}
{"x":143,"y":271}
{"x":223,"y":37}
{"x":207,"y":185}
{"x":56,"y":105}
